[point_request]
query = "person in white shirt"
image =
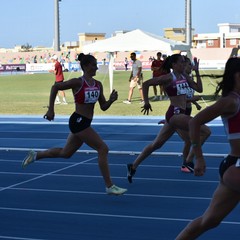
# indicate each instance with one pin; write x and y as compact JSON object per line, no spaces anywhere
{"x":135,"y":79}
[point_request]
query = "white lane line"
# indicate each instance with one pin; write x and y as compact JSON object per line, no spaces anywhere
{"x":39,"y":175}
{"x":156,"y":153}
{"x":47,"y":174}
{"x":105,"y":215}
{"x":103,"y":193}
{"x":18,"y":238}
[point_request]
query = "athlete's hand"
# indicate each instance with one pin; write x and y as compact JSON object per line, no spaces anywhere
{"x":146,"y":108}
{"x":196,"y":64}
{"x":198,"y":107}
{"x":49,"y":115}
{"x":113,"y":96}
{"x":200,"y":167}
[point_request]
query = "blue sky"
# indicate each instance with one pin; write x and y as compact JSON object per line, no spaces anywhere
{"x":32,"y":21}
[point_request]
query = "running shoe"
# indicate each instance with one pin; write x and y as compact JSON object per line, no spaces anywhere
{"x":163,"y":121}
{"x":188,"y":167}
{"x":30,"y":158}
{"x":115,"y":190}
{"x":130,"y":172}
{"x":127,"y":102}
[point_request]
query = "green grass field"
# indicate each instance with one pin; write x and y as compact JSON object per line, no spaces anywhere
{"x":28,"y":94}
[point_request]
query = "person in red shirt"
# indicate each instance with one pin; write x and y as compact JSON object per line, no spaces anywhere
{"x":156,"y":67}
{"x":59,"y":77}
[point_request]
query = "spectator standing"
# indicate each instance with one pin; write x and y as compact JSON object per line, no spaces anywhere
{"x":126,"y":64}
{"x":156,"y":68}
{"x":136,"y":78}
{"x":59,"y":77}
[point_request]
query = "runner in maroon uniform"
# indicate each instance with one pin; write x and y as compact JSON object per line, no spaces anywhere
{"x":87,"y":91}
{"x":177,"y":85}
{"x":227,"y":195}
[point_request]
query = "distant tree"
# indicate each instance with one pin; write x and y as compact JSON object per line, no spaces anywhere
{"x":26,"y":47}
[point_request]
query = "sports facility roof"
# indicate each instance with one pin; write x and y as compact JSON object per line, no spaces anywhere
{"x":136,"y":40}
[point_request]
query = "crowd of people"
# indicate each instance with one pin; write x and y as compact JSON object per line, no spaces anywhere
{"x":36,"y":57}
{"x":173,"y":76}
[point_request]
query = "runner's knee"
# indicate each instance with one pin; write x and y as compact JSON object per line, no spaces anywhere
{"x":210,"y":222}
{"x":66,"y":154}
{"x":103,"y":149}
{"x":205,"y":131}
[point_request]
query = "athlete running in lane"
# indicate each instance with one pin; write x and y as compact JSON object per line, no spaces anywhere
{"x":87,"y":91}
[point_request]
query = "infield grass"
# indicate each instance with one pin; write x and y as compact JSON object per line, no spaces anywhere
{"x":29,"y":94}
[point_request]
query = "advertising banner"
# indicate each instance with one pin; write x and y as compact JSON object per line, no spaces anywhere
{"x":12,"y":67}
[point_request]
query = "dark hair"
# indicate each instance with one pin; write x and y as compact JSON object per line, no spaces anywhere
{"x":133,"y":53}
{"x":85,"y":59}
{"x":167,"y":64}
{"x":187,"y":59}
{"x":228,"y":82}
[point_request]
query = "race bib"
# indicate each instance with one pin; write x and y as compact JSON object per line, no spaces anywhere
{"x":91,"y":95}
{"x":190,"y":92}
{"x":182,"y":87}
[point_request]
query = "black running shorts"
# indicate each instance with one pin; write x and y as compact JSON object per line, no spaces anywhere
{"x":78,"y":123}
{"x":226,"y":163}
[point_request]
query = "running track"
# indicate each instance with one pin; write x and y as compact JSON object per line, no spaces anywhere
{"x":58,"y":199}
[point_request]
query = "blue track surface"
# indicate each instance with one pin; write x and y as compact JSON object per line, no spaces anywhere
{"x":65,"y":199}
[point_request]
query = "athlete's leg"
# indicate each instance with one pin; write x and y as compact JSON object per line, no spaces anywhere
{"x":180,"y":122}
{"x":205,"y":132}
{"x":92,"y":139}
{"x":223,"y":202}
{"x":184,"y":135}
{"x":165,"y":133}
{"x":231,"y":178}
{"x":72,"y":145}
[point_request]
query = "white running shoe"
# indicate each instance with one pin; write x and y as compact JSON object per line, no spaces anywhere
{"x":115,"y":190}
{"x":57,"y":102}
{"x":64,"y":103}
{"x":127,"y":102}
{"x":30,"y":158}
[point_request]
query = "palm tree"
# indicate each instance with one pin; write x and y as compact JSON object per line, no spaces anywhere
{"x":26,"y":48}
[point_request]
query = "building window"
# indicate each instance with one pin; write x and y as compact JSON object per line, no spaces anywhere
{"x":234,"y":29}
{"x":210,"y":42}
{"x":233,"y":42}
{"x":178,"y":32}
